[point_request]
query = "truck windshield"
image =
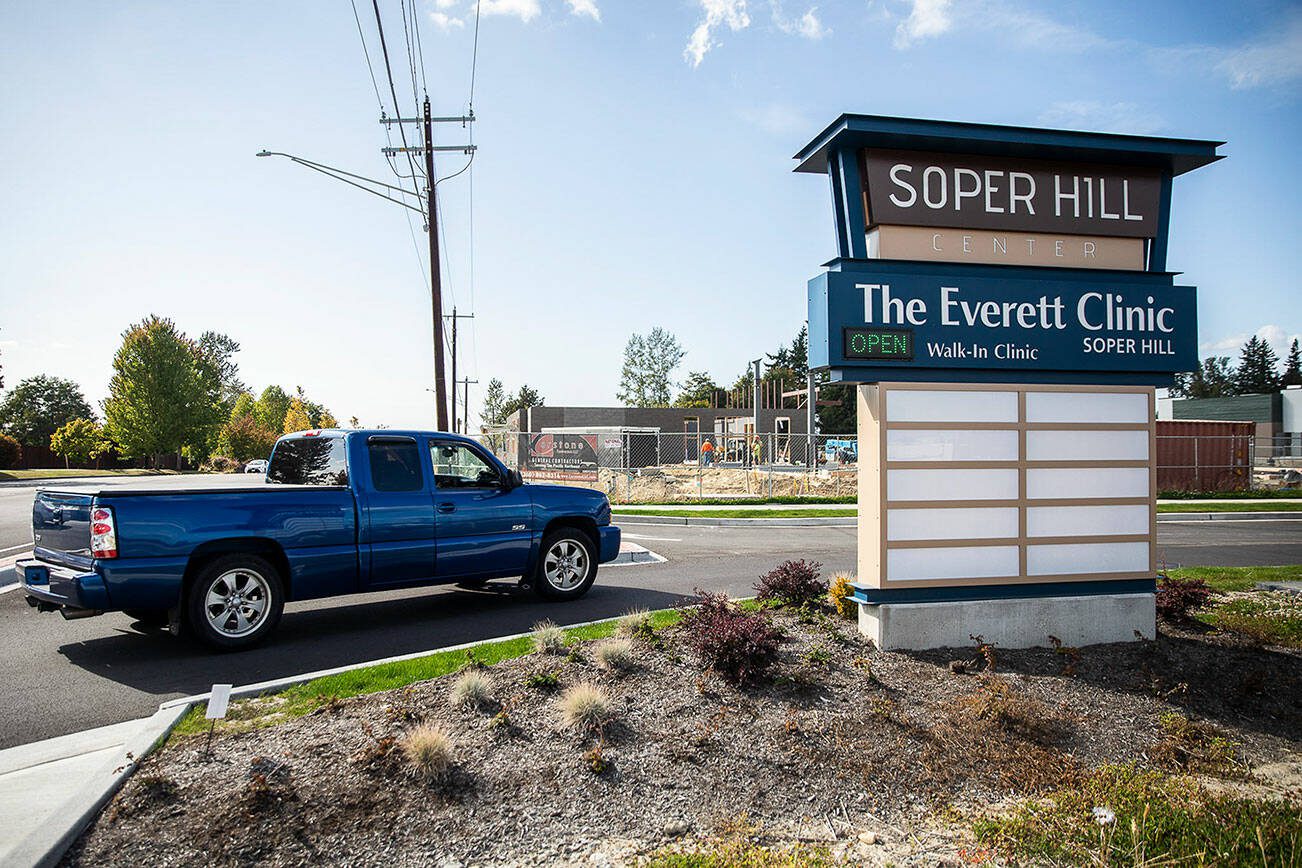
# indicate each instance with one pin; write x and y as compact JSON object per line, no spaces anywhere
{"x":309,"y":461}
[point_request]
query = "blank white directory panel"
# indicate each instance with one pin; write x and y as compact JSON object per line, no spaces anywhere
{"x":982,"y":484}
{"x":1100,"y":407}
{"x":1087,"y":482}
{"x":1075,"y":558}
{"x":1087,"y":445}
{"x":967,"y":562}
{"x":952,"y":523}
{"x":942,"y":445}
{"x":906,"y":405}
{"x":1067,"y":521}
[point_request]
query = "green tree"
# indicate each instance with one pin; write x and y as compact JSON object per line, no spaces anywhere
{"x":698,"y":390}
{"x":243,"y":439}
{"x":163,"y":395}
{"x":1256,"y":373}
{"x":38,"y":406}
{"x":245,"y":405}
{"x":522,"y":400}
{"x":79,"y":440}
{"x":296,"y":418}
{"x":271,"y":407}
{"x":217,"y":350}
{"x":1292,"y":367}
{"x":10,"y":452}
{"x":649,"y":360}
{"x":1212,"y":379}
{"x":494,"y":402}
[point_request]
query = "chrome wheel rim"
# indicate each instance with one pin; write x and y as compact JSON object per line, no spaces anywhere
{"x":566,"y":565}
{"x":237,"y":601}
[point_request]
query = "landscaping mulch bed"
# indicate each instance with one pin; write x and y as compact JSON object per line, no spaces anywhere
{"x":865,"y":753}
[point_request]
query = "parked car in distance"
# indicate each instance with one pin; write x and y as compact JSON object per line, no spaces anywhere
{"x":340,"y":512}
{"x":257,"y":465}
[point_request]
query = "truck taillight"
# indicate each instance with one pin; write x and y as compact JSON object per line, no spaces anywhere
{"x":103,"y":533}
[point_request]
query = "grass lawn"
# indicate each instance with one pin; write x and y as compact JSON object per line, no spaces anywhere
{"x":52,"y":473}
{"x":1230,"y":506}
{"x":1238,"y":578}
{"x":302,"y":699}
{"x":1250,"y":494}
{"x":740,"y":513}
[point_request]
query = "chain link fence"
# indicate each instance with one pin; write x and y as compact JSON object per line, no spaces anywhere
{"x":647,"y":466}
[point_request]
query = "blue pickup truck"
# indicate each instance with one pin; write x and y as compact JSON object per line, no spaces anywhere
{"x":342,"y":512}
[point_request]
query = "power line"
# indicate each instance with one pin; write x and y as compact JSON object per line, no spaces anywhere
{"x":370,"y":68}
{"x":474,"y":59}
{"x":388,"y":70}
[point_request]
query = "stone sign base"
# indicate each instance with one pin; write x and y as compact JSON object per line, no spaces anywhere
{"x":1010,"y":623}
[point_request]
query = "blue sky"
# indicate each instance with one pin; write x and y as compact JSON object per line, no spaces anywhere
{"x":634,"y":170}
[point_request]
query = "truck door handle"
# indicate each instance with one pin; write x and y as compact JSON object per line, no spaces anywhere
{"x":447,"y":507}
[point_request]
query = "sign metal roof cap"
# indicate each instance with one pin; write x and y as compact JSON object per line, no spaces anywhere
{"x":875,"y":131}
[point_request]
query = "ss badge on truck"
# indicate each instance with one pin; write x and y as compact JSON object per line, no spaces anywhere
{"x":517,"y":527}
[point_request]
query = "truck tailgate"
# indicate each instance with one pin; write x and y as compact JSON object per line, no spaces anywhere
{"x":61,"y":525}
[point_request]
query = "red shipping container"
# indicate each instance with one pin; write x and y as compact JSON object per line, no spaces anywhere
{"x":1195,"y":455}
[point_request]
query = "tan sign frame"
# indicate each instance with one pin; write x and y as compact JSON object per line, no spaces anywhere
{"x":873,"y":503}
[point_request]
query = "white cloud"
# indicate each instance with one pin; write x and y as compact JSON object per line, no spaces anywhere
{"x":808,"y":25}
{"x":585,"y":7}
{"x":445,"y":4}
{"x":525,"y":10}
{"x":731,"y":13}
{"x":1277,"y":336}
{"x":1096,"y":116}
{"x":444,"y":21}
{"x":1273,"y":59}
{"x":927,"y":19}
{"x":777,"y":118}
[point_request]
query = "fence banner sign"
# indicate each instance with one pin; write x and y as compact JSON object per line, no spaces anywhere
{"x":879,"y":323}
{"x":562,"y":457}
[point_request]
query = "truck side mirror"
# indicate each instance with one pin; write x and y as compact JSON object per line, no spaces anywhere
{"x":516,"y":479}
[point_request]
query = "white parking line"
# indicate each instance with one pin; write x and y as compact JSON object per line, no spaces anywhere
{"x":652,"y":538}
{"x":25,"y":545}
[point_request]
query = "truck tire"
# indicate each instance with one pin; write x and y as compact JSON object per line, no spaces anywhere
{"x":235,"y":601}
{"x":567,"y":565}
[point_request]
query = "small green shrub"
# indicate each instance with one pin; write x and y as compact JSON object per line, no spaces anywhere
{"x":637,"y":623}
{"x":11,"y":452}
{"x":1189,"y":746}
{"x":548,"y":638}
{"x":585,"y":707}
{"x":472,"y":689}
{"x":430,"y":750}
{"x":792,"y":583}
{"x":1268,"y":618}
{"x":544,"y":680}
{"x":616,"y":655}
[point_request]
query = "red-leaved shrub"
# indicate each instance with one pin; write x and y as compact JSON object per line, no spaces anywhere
{"x":10,"y":452}
{"x":740,"y":646}
{"x":1178,"y":598}
{"x":792,"y":583}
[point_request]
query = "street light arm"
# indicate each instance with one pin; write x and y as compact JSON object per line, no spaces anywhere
{"x":332,"y":172}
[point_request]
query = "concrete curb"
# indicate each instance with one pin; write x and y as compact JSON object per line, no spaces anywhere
{"x":852,"y":521}
{"x":45,"y":845}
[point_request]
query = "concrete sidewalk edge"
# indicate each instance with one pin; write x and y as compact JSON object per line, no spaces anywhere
{"x":45,"y":845}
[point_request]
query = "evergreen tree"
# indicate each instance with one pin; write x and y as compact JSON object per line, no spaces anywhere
{"x":1212,"y":379}
{"x":522,"y":400}
{"x":1257,"y":373}
{"x":698,"y":390}
{"x":494,"y":402}
{"x":1292,"y":367}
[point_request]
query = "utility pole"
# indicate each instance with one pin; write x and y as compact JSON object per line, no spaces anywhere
{"x":454,"y":317}
{"x":465,"y":409}
{"x":435,"y":270}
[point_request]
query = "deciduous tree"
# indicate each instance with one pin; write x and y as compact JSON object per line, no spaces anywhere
{"x":79,"y":440}
{"x":38,"y":406}
{"x":649,"y":360}
{"x":1212,"y":379}
{"x":271,"y":407}
{"x":296,"y":418}
{"x":494,"y":402}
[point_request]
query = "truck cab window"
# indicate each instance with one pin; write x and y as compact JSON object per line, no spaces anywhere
{"x":309,"y":461}
{"x":456,"y":465}
{"x":395,"y":464}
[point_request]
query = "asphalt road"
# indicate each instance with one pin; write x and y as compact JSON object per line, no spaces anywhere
{"x":61,"y":676}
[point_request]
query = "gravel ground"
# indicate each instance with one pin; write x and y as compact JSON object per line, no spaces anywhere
{"x":862,"y":751}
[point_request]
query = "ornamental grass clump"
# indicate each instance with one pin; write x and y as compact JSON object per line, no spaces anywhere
{"x":585,"y":707}
{"x":1178,"y":599}
{"x":740,"y":646}
{"x":430,"y":750}
{"x":636,"y":623}
{"x":792,"y":583}
{"x":616,"y":655}
{"x":472,"y":689}
{"x":548,"y":638}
